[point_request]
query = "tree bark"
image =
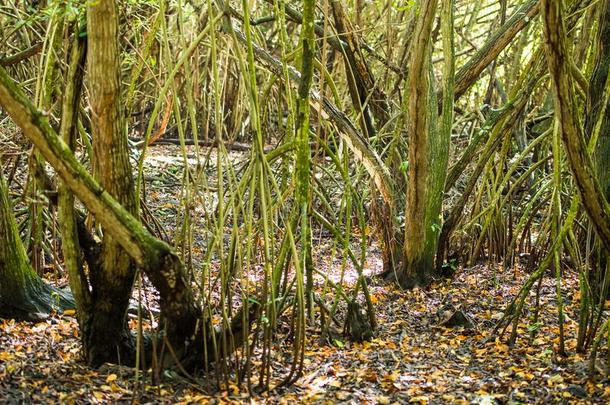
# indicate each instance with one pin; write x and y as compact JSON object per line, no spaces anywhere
{"x":180,"y":313}
{"x":368,"y":100}
{"x":468,"y":74}
{"x":420,"y":234}
{"x":23,"y":294}
{"x":67,"y":217}
{"x":597,"y":111}
{"x":109,"y":336}
{"x":597,"y":124}
{"x":566,"y":113}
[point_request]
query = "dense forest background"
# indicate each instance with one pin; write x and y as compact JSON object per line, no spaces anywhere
{"x":230,"y":196}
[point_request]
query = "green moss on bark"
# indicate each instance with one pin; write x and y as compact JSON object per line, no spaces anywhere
{"x":23,"y":294}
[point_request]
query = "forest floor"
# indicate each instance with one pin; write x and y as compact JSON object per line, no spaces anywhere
{"x":411,"y":359}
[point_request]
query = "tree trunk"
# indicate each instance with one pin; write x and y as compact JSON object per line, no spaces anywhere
{"x":566,"y":114}
{"x":303,"y":152}
{"x":181,"y":315}
{"x":23,"y":294}
{"x":70,"y":243}
{"x":468,"y":74}
{"x":597,"y":126}
{"x":597,"y":112}
{"x":109,"y":338}
{"x":427,"y":155}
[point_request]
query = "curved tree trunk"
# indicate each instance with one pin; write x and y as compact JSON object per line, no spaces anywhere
{"x":566,"y":114}
{"x":23,"y":294}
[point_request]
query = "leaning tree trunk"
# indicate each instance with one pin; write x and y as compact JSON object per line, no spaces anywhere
{"x":71,"y":245}
{"x":497,"y":42}
{"x":566,"y":113}
{"x":23,"y":294}
{"x":181,"y":316}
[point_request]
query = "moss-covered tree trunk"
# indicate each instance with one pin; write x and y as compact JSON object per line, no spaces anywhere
{"x":428,"y":151}
{"x":566,"y":113}
{"x":303,"y":153}
{"x":181,"y":316}
{"x":597,"y":125}
{"x":597,"y":113}
{"x":23,"y":294}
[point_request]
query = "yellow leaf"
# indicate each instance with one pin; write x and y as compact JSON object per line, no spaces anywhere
{"x":342,"y":395}
{"x":116,"y":388}
{"x":390,"y":345}
{"x":111,"y":378}
{"x":234,"y":388}
{"x":392,"y":376}
{"x":383,"y":400}
{"x":556,"y":379}
{"x":4,"y":356}
{"x":502,"y":348}
{"x":370,"y":376}
{"x":422,"y":399}
{"x":335,"y":383}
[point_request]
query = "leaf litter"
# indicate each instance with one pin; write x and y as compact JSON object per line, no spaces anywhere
{"x":415,"y":356}
{"x":411,"y":359}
